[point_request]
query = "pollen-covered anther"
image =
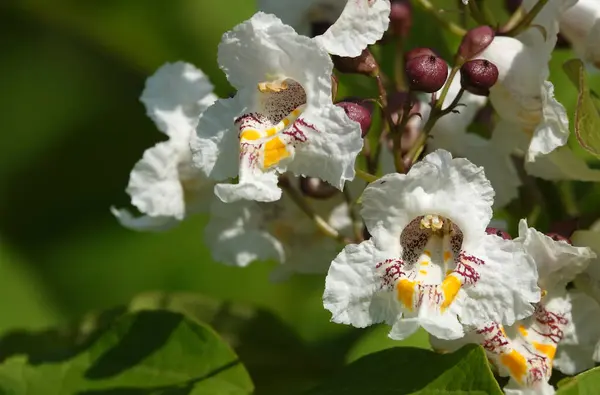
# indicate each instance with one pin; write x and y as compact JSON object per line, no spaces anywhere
{"x":273,"y":86}
{"x":433,"y":222}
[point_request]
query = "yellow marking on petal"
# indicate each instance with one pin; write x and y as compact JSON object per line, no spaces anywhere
{"x":515,"y":363}
{"x":424,"y":263}
{"x":250,"y":134}
{"x":423,"y":272}
{"x":450,"y":287}
{"x":405,"y":291}
{"x":447,"y":255}
{"x":271,"y":131}
{"x":503,"y":331}
{"x":548,"y":349}
{"x":286,"y":121}
{"x":523,"y":331}
{"x":275,"y":151}
{"x":296,"y":112}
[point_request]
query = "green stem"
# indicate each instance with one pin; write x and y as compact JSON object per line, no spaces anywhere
{"x":399,"y":75}
{"x":368,"y":177}
{"x":526,"y":21}
{"x":476,"y":13}
{"x":450,"y":26}
{"x":356,"y":222}
{"x":321,"y":224}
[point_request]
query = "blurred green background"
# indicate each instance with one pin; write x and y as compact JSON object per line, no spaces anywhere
{"x":71,"y":73}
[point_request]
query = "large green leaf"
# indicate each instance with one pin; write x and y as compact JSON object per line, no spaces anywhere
{"x":143,"y":353}
{"x":587,"y":118}
{"x":376,"y":339}
{"x":586,"y":383}
{"x":407,"y":370}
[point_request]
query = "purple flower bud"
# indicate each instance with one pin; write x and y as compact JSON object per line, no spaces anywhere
{"x":416,"y":52}
{"x":358,"y":112}
{"x":474,"y":42}
{"x":557,"y":237}
{"x":498,"y":232}
{"x":401,"y":17}
{"x":316,"y":188}
{"x":478,"y":76}
{"x":512,"y":5}
{"x":365,"y":64}
{"x":426,"y":73}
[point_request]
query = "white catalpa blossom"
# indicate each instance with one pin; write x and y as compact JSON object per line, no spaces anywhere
{"x":450,"y":133}
{"x":352,"y":25}
{"x":580,"y":24}
{"x":242,"y":232}
{"x":163,"y":185}
{"x":429,"y":261}
{"x":556,"y":334}
{"x":282,"y":117}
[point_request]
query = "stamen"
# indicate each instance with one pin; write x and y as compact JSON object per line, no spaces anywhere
{"x":433,"y":222}
{"x":272,"y":86}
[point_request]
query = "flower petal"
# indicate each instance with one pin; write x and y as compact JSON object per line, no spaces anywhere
{"x":143,"y":223}
{"x":362,"y":23}
{"x":175,"y":96}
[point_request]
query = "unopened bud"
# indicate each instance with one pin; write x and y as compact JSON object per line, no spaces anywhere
{"x":426,"y":73}
{"x":498,"y":232}
{"x":358,"y":112}
{"x":316,"y":188}
{"x":416,"y":52}
{"x":478,"y":76}
{"x":365,"y":64}
{"x":474,"y":42}
{"x":557,"y":237}
{"x":401,"y":17}
{"x":512,"y":5}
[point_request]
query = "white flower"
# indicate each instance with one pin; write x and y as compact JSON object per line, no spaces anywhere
{"x":282,"y":117}
{"x":242,"y":232}
{"x":163,"y":185}
{"x":581,"y":26}
{"x":430,"y":262}
{"x":524,"y":98}
{"x":526,"y":350}
{"x":450,"y":133}
{"x":548,"y":20}
{"x":354,"y":23}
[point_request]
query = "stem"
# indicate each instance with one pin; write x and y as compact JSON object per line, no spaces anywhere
{"x":368,"y":177}
{"x":476,"y":13}
{"x":514,"y":19}
{"x":321,"y":224}
{"x":450,"y":26}
{"x":399,"y":65}
{"x":569,"y":200}
{"x":446,"y":88}
{"x":526,"y":21}
{"x":386,"y":113}
{"x":356,"y":223}
{"x":397,"y":137}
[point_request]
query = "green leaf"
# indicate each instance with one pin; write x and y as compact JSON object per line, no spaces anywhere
{"x":586,"y":383}
{"x":407,"y":370}
{"x":587,"y":119}
{"x":144,"y":353}
{"x":376,"y":339}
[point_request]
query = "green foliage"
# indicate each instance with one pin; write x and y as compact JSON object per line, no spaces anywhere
{"x":587,"y":118}
{"x":406,"y":370}
{"x":148,"y":352}
{"x":586,"y":383}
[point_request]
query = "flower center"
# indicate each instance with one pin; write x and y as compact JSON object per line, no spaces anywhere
{"x":269,"y":133}
{"x":432,"y":268}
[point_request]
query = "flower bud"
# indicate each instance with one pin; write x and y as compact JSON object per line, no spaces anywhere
{"x":474,"y":42}
{"x":557,"y":237}
{"x":498,"y":232}
{"x":316,"y":188}
{"x":426,"y":73}
{"x":478,"y":76}
{"x":401,"y":18}
{"x":358,"y":112}
{"x":512,"y":5}
{"x":416,"y":52}
{"x":365,"y":64}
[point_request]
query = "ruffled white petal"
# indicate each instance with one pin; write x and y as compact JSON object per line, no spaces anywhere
{"x":453,"y":188}
{"x":361,"y":23}
{"x":175,"y":96}
{"x":580,"y":24}
{"x":300,"y":14}
{"x":353,"y":291}
{"x":557,"y":262}
{"x":547,"y":19}
{"x":143,"y":223}
{"x":513,"y":388}
{"x":237,"y":237}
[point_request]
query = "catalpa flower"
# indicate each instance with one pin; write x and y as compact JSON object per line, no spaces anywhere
{"x":580,"y":24}
{"x":526,"y":350}
{"x":242,"y":232}
{"x":164,"y":185}
{"x":282,"y":117}
{"x":430,"y":262}
{"x":342,"y":27}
